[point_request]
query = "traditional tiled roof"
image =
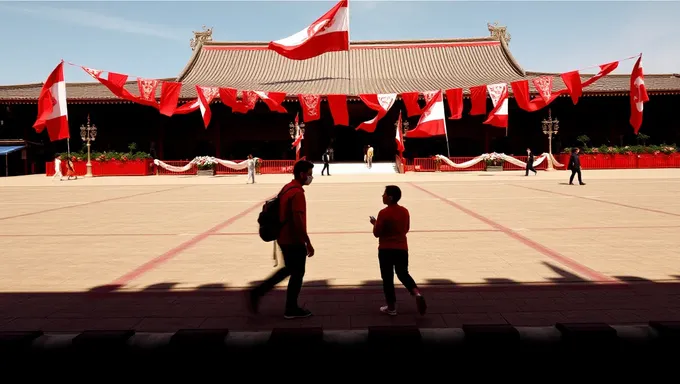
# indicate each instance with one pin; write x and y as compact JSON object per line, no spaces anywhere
{"x":373,"y":67}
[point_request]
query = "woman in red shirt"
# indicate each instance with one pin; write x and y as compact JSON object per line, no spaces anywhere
{"x":390,"y":228}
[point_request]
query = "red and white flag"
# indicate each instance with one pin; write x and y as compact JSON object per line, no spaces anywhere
{"x":330,"y":33}
{"x":52,"y":111}
{"x":399,"y":138}
{"x":205,"y":97}
{"x":638,"y":95}
{"x":381,"y":104}
{"x":498,"y":117}
{"x":433,"y":120}
{"x":297,"y":144}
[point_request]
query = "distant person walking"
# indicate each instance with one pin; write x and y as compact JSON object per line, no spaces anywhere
{"x":70,"y":170}
{"x":57,"y":168}
{"x":530,"y":163}
{"x":294,"y":242}
{"x":369,"y":157}
{"x":251,"y":169}
{"x":575,"y":166}
{"x":326,"y":158}
{"x":391,"y":227}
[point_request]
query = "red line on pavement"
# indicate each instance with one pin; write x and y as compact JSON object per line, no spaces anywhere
{"x":91,"y":202}
{"x":572,"y":264}
{"x":366,"y":232}
{"x":169,"y":255}
{"x":599,"y":200}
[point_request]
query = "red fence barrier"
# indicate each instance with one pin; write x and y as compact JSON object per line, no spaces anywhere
{"x":588,"y":161}
{"x":177,"y":163}
{"x":143,"y":167}
{"x":267,"y":167}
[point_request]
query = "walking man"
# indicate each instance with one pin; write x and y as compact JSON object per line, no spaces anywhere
{"x":391,"y":227}
{"x":251,"y":169}
{"x":530,"y":163}
{"x":369,"y":157}
{"x":326,"y":158}
{"x":57,"y":168}
{"x":575,"y":166}
{"x":294,"y":242}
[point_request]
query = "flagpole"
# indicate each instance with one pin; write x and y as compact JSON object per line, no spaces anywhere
{"x":68,"y":147}
{"x":349,"y":59}
{"x":446,"y":132}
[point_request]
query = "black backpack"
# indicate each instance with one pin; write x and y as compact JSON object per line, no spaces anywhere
{"x":269,"y":219}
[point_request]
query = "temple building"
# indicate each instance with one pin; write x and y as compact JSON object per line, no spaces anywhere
{"x":370,"y":67}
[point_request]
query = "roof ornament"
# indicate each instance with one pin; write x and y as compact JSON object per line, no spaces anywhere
{"x":499,"y":32}
{"x":201,"y":37}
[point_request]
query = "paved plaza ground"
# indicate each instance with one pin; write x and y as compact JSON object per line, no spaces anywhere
{"x":162,"y":253}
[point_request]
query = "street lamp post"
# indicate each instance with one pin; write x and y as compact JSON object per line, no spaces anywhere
{"x":296,"y":129}
{"x":404,"y":128}
{"x":550,"y":128}
{"x":88,"y":133}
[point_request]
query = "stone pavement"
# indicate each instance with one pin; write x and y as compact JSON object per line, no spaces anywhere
{"x":162,"y":253}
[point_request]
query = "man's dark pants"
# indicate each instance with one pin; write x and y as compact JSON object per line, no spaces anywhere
{"x":326,"y":169}
{"x":294,"y":259}
{"x":574,"y":172}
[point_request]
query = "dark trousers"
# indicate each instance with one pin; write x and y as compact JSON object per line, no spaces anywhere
{"x":325,"y":168}
{"x":294,"y":259}
{"x":575,"y":171}
{"x":391,"y":261}
{"x":530,"y":167}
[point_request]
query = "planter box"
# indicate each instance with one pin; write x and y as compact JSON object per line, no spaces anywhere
{"x":206,"y":172}
{"x":107,"y":168}
{"x":494,"y":168}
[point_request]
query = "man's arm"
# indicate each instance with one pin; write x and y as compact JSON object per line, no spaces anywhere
{"x":408,"y":221}
{"x":379,"y":224}
{"x":299,"y":203}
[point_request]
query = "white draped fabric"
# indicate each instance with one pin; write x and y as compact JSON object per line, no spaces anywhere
{"x":204,"y":160}
{"x":502,"y":156}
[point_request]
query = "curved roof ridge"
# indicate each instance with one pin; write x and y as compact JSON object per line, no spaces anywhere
{"x":361,"y":42}
{"x":511,"y":59}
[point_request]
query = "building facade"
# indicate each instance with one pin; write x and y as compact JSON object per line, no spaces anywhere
{"x":373,"y":67}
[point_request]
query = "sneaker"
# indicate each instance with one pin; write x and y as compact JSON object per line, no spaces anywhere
{"x":386,"y":310}
{"x":298,"y":313}
{"x":421,"y":304}
{"x":582,"y":183}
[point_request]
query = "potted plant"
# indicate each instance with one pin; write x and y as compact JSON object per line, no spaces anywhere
{"x":494,"y":163}
{"x":206,"y":166}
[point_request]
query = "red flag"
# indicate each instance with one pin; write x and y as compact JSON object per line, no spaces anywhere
{"x":433,"y":120}
{"x":379,"y":103}
{"x":205,"y":97}
{"x":399,"y":138}
{"x":478,"y":99}
{"x":52,"y":110}
{"x":273,"y":100}
{"x":498,"y":117}
{"x":338,"y":106}
{"x":311,"y":107}
{"x":330,"y":33}
{"x":573,"y":82}
{"x":638,"y":95}
{"x":455,"y":99}
{"x":411,"y":103}
{"x":170,"y":91}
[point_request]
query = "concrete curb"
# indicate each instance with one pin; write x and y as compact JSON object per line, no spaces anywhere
{"x":385,"y":338}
